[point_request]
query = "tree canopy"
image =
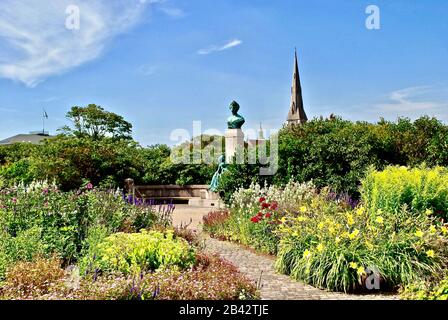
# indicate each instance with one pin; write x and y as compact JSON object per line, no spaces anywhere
{"x":95,"y":122}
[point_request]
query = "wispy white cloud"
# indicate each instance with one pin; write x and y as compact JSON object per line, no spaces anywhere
{"x":412,"y":99}
{"x":35,"y":44}
{"x":214,"y":48}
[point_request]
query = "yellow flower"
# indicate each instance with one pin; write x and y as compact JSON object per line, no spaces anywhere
{"x":321,"y":225}
{"x":331,"y":229}
{"x":369,"y":245}
{"x":301,"y":219}
{"x":430,"y":253}
{"x":379,"y":220}
{"x":429,"y":212}
{"x":283,"y":219}
{"x":419,"y":233}
{"x":350,"y":219}
{"x":432,"y":230}
{"x":353,"y":265}
{"x":361,"y":270}
{"x":360,"y":211}
{"x":303,"y":209}
{"x":379,"y":211}
{"x":306,"y":254}
{"x":337,"y":240}
{"x":320,"y":247}
{"x":354,"y":234}
{"x":444,"y":229}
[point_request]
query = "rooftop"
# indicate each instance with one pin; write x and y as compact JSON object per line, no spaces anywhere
{"x":32,"y":137}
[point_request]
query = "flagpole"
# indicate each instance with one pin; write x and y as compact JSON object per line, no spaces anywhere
{"x":44,"y":116}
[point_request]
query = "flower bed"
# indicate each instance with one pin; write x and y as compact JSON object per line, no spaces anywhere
{"x":93,"y":245}
{"x":211,"y":278}
{"x":41,"y":220}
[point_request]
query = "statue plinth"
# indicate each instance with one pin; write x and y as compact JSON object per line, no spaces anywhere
{"x":234,"y":141}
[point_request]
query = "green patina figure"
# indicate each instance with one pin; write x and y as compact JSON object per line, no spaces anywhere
{"x":235,"y":121}
{"x":222,"y":167}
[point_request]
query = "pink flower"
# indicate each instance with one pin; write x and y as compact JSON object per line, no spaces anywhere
{"x":14,"y":200}
{"x":89,"y":186}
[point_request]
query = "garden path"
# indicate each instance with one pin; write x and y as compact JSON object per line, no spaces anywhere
{"x":257,"y":266}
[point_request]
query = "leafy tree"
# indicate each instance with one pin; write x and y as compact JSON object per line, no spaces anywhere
{"x":95,"y":122}
{"x":71,"y":161}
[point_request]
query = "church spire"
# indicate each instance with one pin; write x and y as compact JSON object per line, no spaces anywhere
{"x":296,"y":113}
{"x":260,"y":133}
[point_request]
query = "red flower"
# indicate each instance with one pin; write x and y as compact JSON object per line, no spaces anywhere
{"x":255,"y":219}
{"x":260,"y":214}
{"x":268,"y":215}
{"x":265,"y":205}
{"x":262,"y":199}
{"x":274,"y":205}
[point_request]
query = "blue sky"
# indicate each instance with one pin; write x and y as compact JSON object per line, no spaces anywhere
{"x":165,"y":63}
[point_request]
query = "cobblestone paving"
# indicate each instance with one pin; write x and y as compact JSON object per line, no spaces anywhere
{"x":276,"y":286}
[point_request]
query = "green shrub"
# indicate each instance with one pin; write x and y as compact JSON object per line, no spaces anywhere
{"x":24,"y":246}
{"x":420,"y":189}
{"x":136,"y":252}
{"x":433,"y":289}
{"x":337,"y":153}
{"x":72,"y":160}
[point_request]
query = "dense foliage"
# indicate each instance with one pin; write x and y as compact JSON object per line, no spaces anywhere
{"x":331,"y":152}
{"x":419,"y":189}
{"x":421,"y":290}
{"x":137,"y":252}
{"x":95,"y":122}
{"x":98,"y":147}
{"x":337,"y":153}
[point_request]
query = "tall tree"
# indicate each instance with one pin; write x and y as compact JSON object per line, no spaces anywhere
{"x":95,"y":122}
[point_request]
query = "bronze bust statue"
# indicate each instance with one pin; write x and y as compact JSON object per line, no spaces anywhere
{"x":235,"y":121}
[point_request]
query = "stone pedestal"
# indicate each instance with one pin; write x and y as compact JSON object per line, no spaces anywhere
{"x":234,"y":140}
